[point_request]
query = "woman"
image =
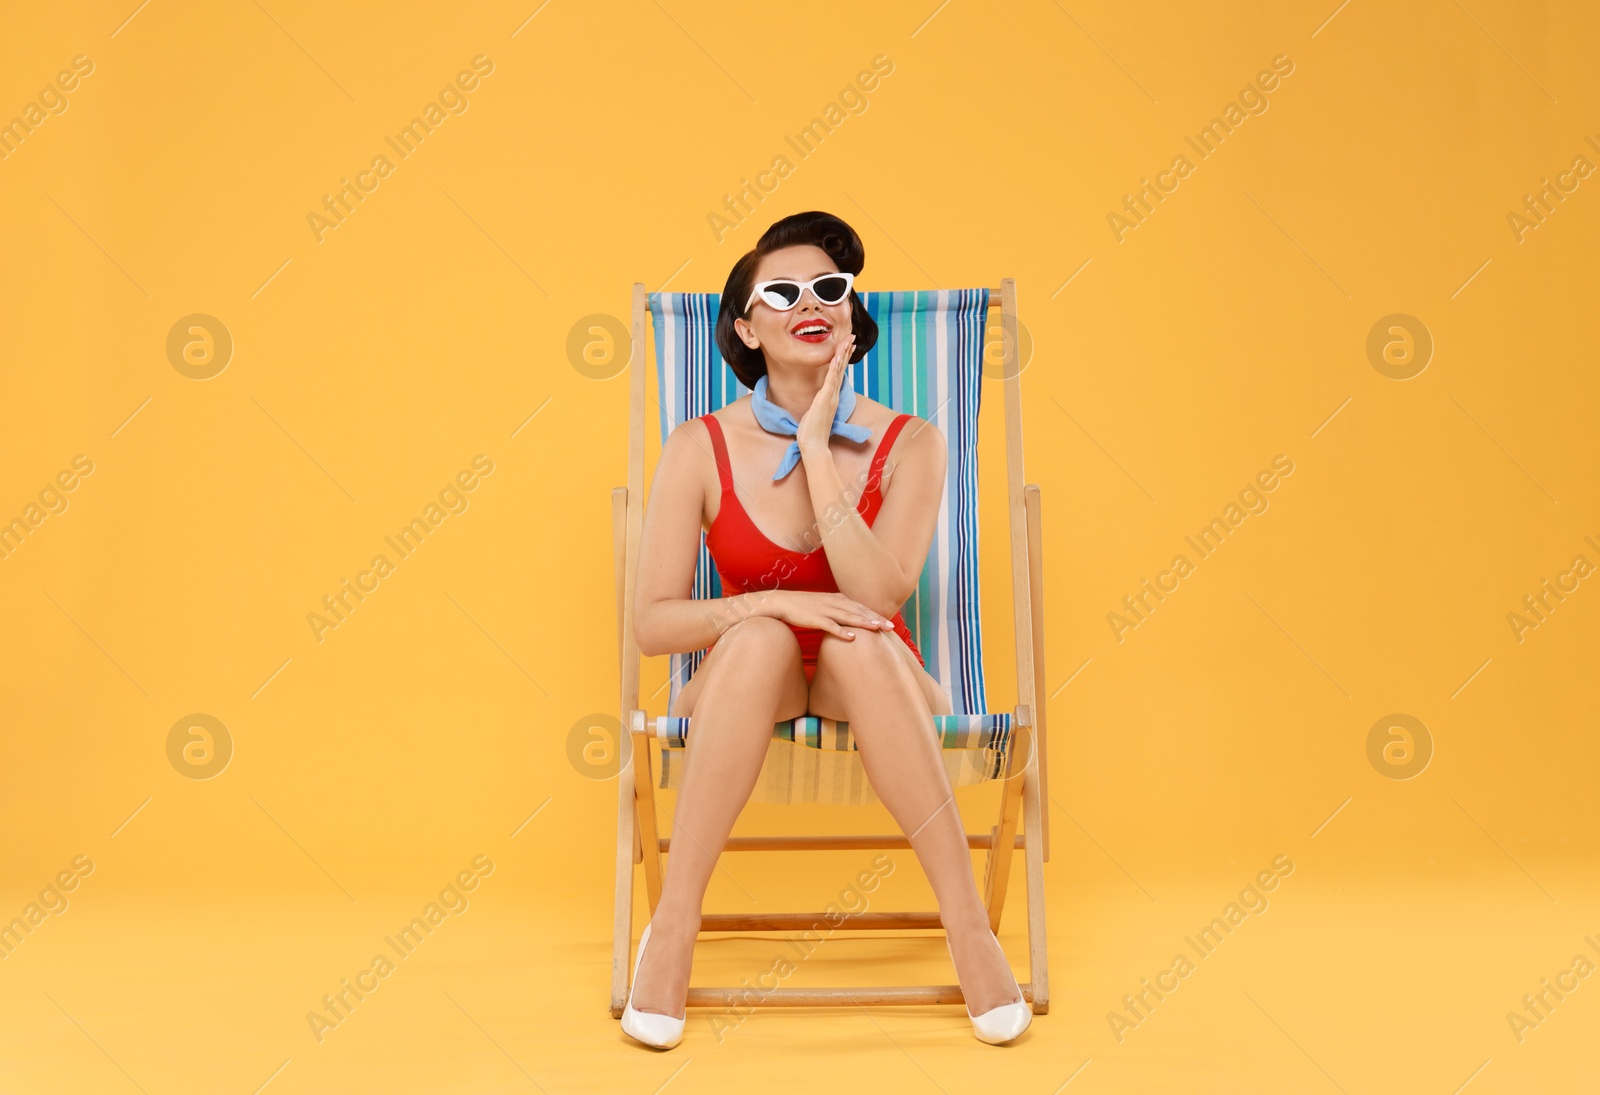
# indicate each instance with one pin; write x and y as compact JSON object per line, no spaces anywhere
{"x":810,"y":628}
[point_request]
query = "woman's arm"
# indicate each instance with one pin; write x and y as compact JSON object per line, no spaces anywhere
{"x":666,"y":619}
{"x":880,"y":565}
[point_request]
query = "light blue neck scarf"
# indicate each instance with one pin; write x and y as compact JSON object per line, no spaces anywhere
{"x":774,"y":419}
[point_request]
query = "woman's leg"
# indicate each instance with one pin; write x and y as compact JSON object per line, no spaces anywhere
{"x":749,"y":681}
{"x":871,"y":684}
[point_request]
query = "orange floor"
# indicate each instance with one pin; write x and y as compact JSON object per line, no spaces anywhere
{"x":1339,"y":983}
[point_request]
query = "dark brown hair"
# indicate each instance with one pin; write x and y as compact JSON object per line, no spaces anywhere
{"x":820,"y":229}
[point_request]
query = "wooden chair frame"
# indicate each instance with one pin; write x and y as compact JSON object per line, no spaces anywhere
{"x":638,"y":840}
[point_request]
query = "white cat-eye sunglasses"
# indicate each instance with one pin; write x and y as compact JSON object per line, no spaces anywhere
{"x":784,"y":293}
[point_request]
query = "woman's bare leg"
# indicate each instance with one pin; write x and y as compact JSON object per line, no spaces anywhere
{"x":750,"y":680}
{"x":869,"y":682}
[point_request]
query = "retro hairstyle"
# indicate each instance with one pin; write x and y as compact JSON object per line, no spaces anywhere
{"x":823,"y":230}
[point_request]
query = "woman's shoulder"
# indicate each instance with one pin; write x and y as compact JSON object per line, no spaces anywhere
{"x":917,"y":443}
{"x":915,"y":432}
{"x":877,"y":416}
{"x":689,"y":444}
{"x":696,"y":427}
{"x":731,"y":413}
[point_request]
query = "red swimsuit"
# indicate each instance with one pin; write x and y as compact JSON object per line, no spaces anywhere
{"x":747,"y":560}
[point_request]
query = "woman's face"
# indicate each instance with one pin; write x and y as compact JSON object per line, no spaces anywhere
{"x":765,"y":328}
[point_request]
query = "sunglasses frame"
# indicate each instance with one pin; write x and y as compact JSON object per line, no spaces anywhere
{"x":761,"y":286}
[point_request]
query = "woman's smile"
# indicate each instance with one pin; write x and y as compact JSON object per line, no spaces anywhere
{"x":815,"y":331}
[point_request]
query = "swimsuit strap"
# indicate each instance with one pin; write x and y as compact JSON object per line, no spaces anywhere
{"x":875,"y":473}
{"x":720,"y":448}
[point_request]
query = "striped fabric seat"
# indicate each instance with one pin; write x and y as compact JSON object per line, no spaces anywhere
{"x":928,"y":361}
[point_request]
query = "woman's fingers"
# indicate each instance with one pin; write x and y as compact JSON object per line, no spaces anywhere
{"x":864,"y":623}
{"x":843,"y":624}
{"x":868,"y":617}
{"x":839,"y":615}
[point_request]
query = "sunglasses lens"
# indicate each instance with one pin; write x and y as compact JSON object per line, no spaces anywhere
{"x":781,"y":294}
{"x":831,"y":290}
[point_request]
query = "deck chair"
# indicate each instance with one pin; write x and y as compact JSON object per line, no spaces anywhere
{"x":928,"y":361}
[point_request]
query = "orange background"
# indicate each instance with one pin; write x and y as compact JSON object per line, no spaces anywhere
{"x":431,"y":726}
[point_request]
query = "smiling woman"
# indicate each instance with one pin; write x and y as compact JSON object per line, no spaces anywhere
{"x":818,"y":631}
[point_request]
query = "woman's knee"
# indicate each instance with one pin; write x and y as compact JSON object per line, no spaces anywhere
{"x":870,"y":652}
{"x":757,"y":651}
{"x":760,"y":642}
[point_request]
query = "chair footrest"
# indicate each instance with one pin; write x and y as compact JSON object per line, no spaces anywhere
{"x":977,"y":841}
{"x":851,"y":996}
{"x":816,"y":921}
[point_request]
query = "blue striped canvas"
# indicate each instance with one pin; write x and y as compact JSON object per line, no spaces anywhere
{"x":928,"y":361}
{"x":987,"y":731}
{"x":972,"y":747}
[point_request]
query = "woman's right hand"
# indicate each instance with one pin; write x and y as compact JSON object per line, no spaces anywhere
{"x":831,"y":612}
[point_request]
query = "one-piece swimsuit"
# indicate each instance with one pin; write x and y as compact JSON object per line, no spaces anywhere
{"x":747,"y":561}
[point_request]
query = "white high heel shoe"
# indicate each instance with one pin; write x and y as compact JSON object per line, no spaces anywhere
{"x":1003,"y":1023}
{"x":649,"y":1027}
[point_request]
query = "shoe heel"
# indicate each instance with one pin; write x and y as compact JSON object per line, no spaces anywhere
{"x":649,"y":1027}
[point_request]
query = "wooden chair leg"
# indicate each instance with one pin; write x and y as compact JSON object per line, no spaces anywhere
{"x":622,"y":922}
{"x":644,"y":799}
{"x":628,"y":845}
{"x":636,"y":829}
{"x":1032,"y":503}
{"x":997,"y":875}
{"x":1033,"y":870}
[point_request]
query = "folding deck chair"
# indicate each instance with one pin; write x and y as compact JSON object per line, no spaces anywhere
{"x":928,"y":361}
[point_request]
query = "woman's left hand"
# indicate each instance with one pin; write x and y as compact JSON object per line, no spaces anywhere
{"x":815,"y":428}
